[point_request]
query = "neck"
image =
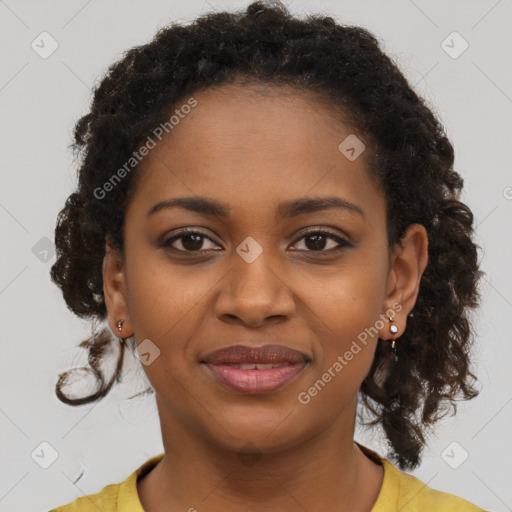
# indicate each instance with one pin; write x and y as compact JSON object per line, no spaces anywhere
{"x":325,"y":472}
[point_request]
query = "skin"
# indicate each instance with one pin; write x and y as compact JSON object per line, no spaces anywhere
{"x":252,"y":148}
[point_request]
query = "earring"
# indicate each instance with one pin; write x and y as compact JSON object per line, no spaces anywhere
{"x":120,"y":328}
{"x":393,"y":329}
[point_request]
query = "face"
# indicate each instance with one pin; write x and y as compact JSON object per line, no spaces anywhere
{"x":193,"y":281}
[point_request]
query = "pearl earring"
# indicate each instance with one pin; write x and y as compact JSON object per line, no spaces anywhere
{"x":393,"y":329}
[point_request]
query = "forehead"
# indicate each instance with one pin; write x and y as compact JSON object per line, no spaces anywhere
{"x":275,"y":116}
{"x":255,"y":143}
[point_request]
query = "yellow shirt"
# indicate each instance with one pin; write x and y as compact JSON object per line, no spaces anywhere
{"x":400,"y":492}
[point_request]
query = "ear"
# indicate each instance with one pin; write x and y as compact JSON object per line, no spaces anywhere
{"x":114,"y":289}
{"x":408,"y":262}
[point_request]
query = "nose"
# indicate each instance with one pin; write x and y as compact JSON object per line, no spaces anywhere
{"x":255,"y":293}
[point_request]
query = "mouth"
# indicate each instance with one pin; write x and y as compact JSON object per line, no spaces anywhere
{"x":256,"y":370}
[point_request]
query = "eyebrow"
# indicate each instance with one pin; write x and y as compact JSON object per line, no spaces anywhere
{"x":288,"y":209}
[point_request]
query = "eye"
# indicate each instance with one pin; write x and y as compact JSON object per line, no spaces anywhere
{"x":189,"y":240}
{"x":316,"y":241}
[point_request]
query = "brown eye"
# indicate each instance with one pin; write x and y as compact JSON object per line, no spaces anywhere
{"x":321,"y":242}
{"x":318,"y":241}
{"x":190,"y":241}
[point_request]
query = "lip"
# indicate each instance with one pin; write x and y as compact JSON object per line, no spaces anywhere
{"x":242,"y":354}
{"x":254,"y":382}
{"x":224,"y":365}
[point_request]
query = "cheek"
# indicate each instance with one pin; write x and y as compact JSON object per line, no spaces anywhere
{"x":348,"y":298}
{"x":347,"y":309}
{"x":163,"y":307}
{"x":167,"y":302}
{"x":156,"y":298}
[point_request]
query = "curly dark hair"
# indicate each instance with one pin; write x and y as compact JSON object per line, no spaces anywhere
{"x":411,"y":160}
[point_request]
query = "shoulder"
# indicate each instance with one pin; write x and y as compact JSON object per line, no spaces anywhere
{"x":113,"y":497}
{"x":414,"y":495}
{"x":105,"y":500}
{"x":406,"y":493}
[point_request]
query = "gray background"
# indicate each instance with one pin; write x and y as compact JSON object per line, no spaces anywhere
{"x":40,"y":99}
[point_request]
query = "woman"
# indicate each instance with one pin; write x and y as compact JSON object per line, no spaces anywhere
{"x":267,"y":215}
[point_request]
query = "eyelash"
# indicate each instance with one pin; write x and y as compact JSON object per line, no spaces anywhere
{"x":343,"y":244}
